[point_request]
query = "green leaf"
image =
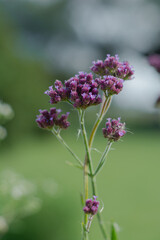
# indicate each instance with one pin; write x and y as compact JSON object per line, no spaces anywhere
{"x":114,"y":231}
{"x":74,"y":165}
{"x":82,"y":199}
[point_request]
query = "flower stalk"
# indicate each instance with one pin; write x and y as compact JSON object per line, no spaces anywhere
{"x":103,"y":158}
{"x":61,"y":140}
{"x":81,"y":92}
{"x":104,"y":108}
{"x":87,"y":164}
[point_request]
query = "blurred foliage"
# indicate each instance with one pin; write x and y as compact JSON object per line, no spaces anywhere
{"x":6,"y":114}
{"x":22,"y":81}
{"x":3,"y":133}
{"x":17,"y":199}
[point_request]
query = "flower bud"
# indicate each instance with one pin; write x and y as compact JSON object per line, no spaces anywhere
{"x":49,"y":119}
{"x":114,"y":129}
{"x":91,"y":206}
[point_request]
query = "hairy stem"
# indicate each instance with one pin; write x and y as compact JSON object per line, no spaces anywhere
{"x":61,"y":140}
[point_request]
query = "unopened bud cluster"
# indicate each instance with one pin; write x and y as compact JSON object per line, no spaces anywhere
{"x":110,"y":84}
{"x":91,"y":206}
{"x":111,"y":66}
{"x":114,"y":129}
{"x":112,"y":74}
{"x":49,"y":119}
{"x":82,"y":90}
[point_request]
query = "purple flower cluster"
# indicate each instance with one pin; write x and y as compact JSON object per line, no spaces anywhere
{"x":112,"y":66}
{"x":49,"y":119}
{"x":114,"y":129}
{"x":81,"y":90}
{"x":91,"y":206}
{"x":112,"y":84}
{"x":154,"y":61}
{"x":57,"y":95}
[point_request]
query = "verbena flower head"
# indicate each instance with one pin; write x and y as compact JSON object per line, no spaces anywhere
{"x":49,"y":119}
{"x":154,"y":61}
{"x":58,"y":94}
{"x":111,"y":84}
{"x":114,"y":129}
{"x":91,"y":206}
{"x":81,"y":90}
{"x":112,"y":66}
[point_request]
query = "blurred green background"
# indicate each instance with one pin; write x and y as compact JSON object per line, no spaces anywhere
{"x":45,"y":40}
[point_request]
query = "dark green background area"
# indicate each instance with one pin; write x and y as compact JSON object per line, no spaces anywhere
{"x":128,"y":186}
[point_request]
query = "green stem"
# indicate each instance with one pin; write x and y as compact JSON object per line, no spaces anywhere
{"x":93,"y":180}
{"x":105,"y":107}
{"x":108,"y":103}
{"x":61,"y":140}
{"x":70,"y":102}
{"x":101,"y":225}
{"x":100,"y":221}
{"x":85,"y":139}
{"x":87,"y":162}
{"x":89,"y":222}
{"x":103,"y":158}
{"x":85,"y":175}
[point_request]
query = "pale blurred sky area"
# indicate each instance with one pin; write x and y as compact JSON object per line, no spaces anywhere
{"x":85,"y":30}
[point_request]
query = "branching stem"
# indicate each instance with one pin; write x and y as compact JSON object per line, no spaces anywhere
{"x":87,"y":163}
{"x":103,"y":158}
{"x":61,"y":140}
{"x":105,"y":106}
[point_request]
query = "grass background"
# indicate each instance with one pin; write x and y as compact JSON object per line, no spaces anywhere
{"x":129,"y":186}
